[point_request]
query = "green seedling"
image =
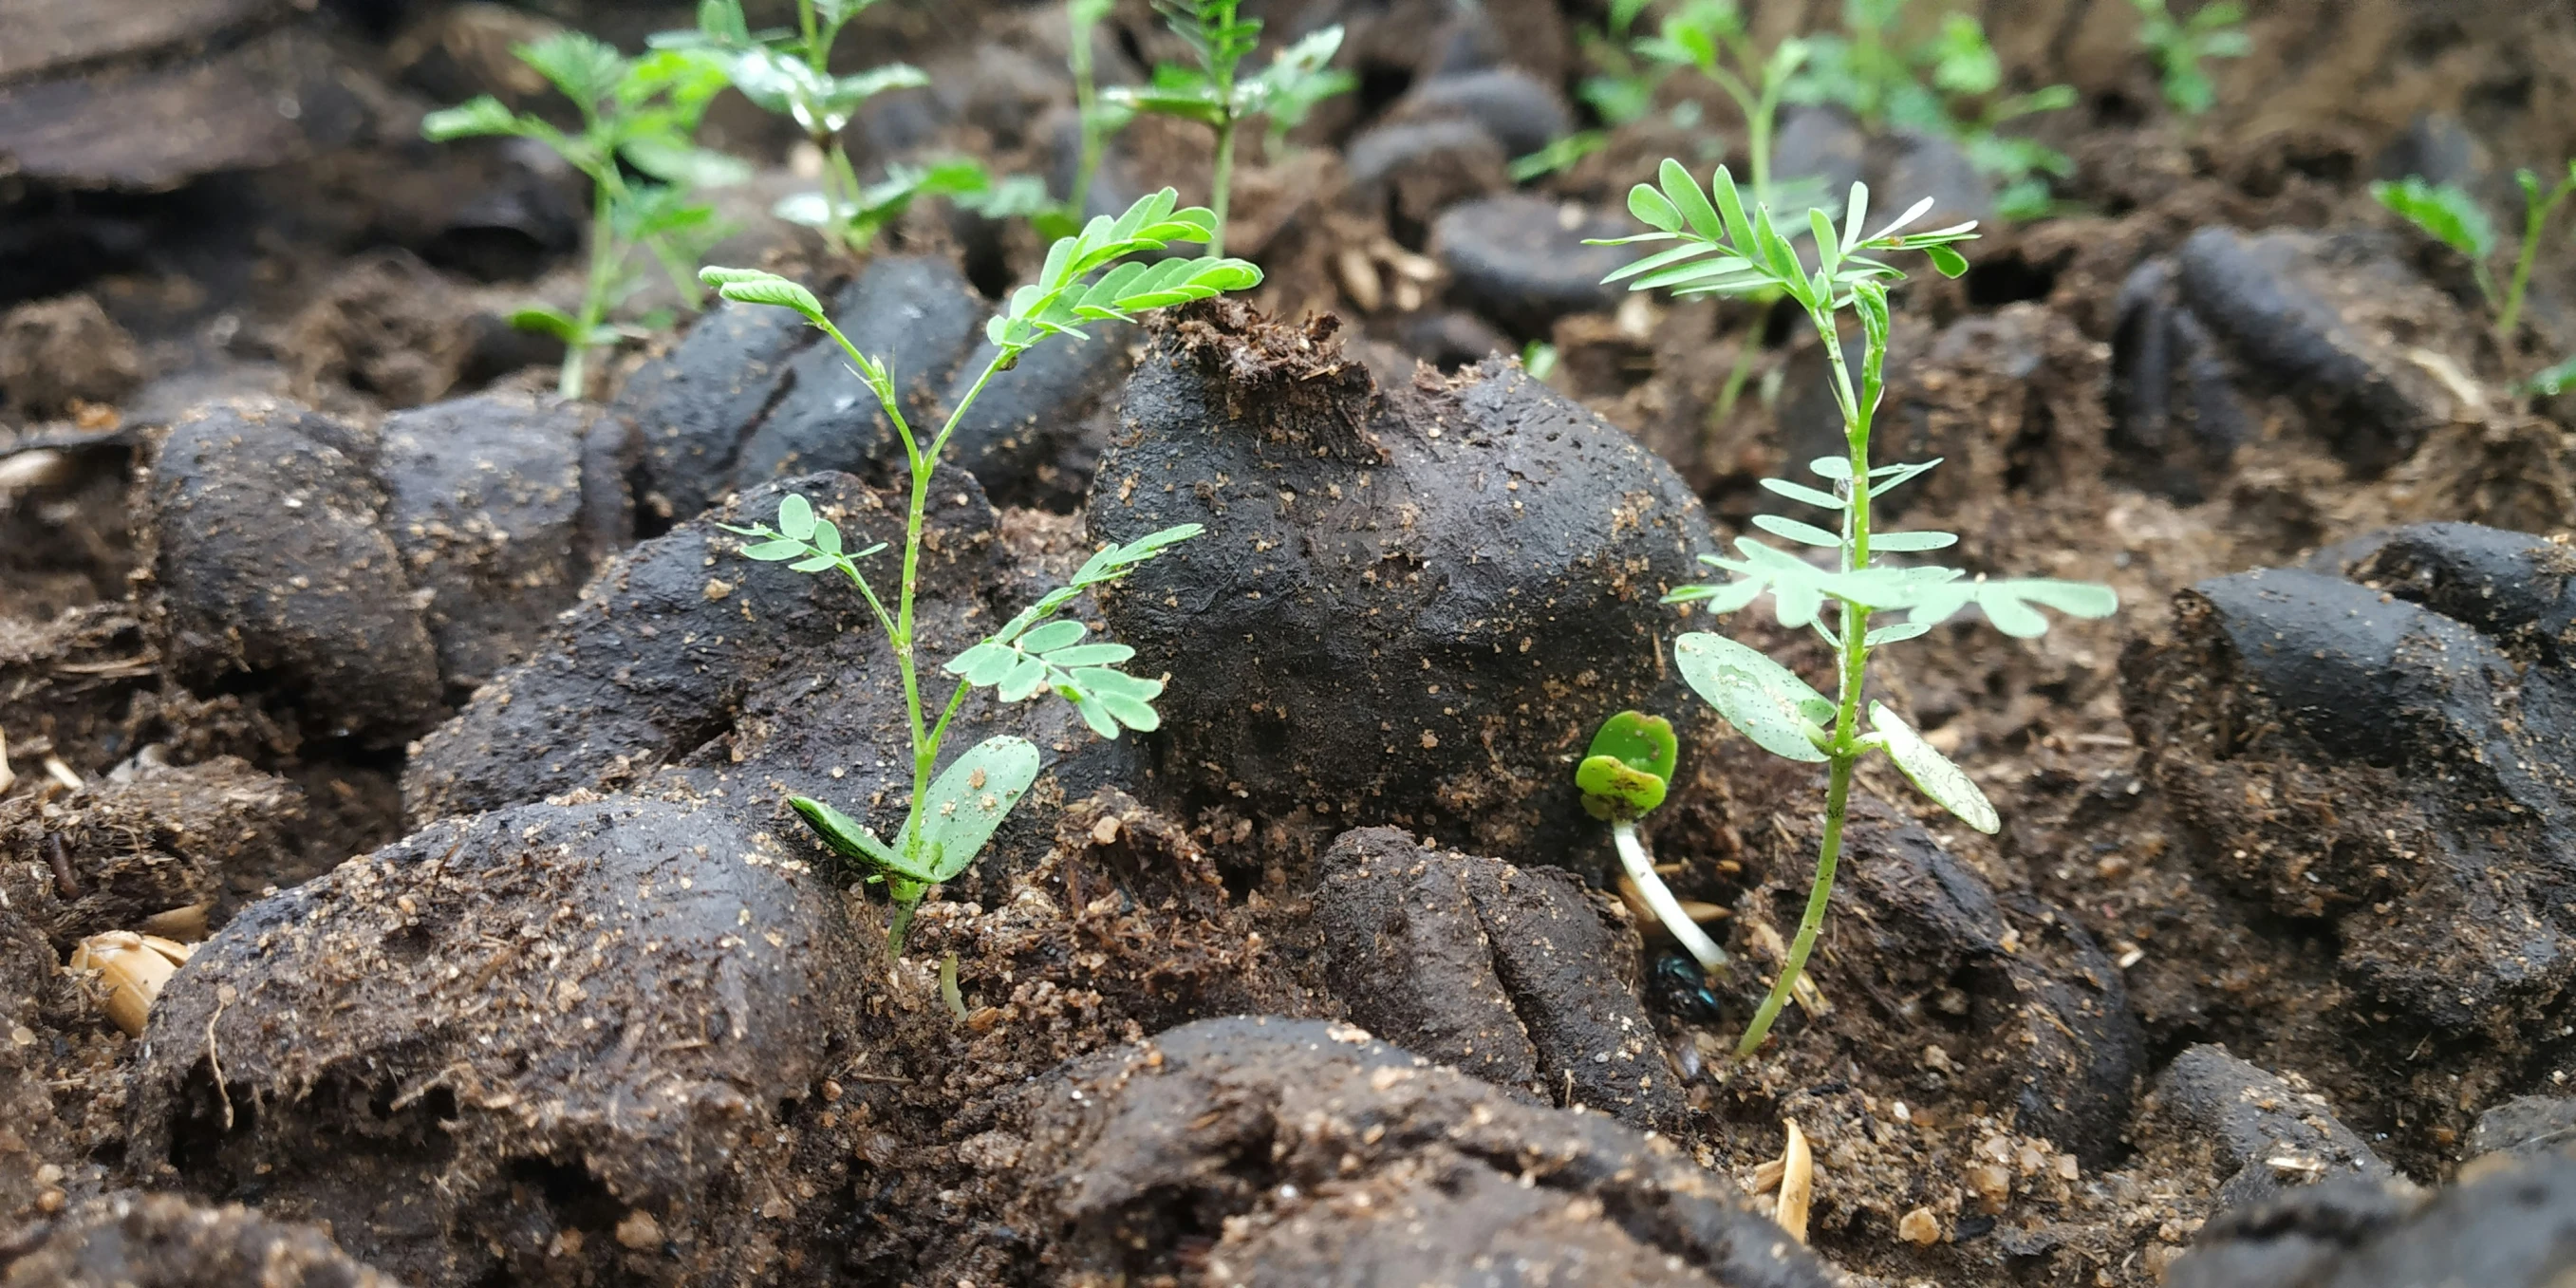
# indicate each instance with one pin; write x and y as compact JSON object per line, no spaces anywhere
{"x":1623,"y":777}
{"x":1215,"y":93}
{"x":1088,"y":277}
{"x":1945,"y":84}
{"x":1623,"y":90}
{"x":2449,"y":215}
{"x":1726,"y":249}
{"x":1098,"y":120}
{"x":2180,"y":46}
{"x":789,"y":72}
{"x":635,"y":112}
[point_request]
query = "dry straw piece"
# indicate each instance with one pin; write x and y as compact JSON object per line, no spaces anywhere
{"x":1797,"y":1185}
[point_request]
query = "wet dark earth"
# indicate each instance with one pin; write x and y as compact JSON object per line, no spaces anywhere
{"x":436,"y":721}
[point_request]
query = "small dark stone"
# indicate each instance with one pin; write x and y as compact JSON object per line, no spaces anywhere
{"x":1450,"y":339}
{"x":1521,"y":260}
{"x":1413,"y":170}
{"x":1822,"y":144}
{"x":1025,"y":436}
{"x":1918,"y":165}
{"x":2525,"y":1125}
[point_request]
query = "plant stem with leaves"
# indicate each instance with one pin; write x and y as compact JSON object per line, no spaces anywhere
{"x":1216,"y":95}
{"x":637,"y":112}
{"x":1724,"y":249}
{"x":955,"y":813}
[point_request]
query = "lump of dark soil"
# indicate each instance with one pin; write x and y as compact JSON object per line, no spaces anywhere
{"x":1408,"y":605}
{"x":2525,"y":1125}
{"x":1034,"y":433}
{"x":386,"y":324}
{"x":164,"y":1241}
{"x":2027,"y":1014}
{"x":2323,"y":329}
{"x":2351,"y":755}
{"x":502,"y":505}
{"x":129,"y":847}
{"x":54,"y":353}
{"x":560,"y":1044}
{"x":650,"y":663}
{"x":1274,"y":1151}
{"x":1411,"y":171}
{"x":1506,"y":973}
{"x":915,"y":313}
{"x":694,"y":405}
{"x":33,"y":1148}
{"x":1521,"y":261}
{"x":2509,"y":1226}
{"x":1511,"y":107}
{"x":276,"y":572}
{"x":2254,"y":1133}
{"x":67,"y":683}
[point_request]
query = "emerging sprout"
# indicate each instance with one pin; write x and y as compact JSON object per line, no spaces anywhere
{"x":1725,"y":249}
{"x":1623,"y":777}
{"x":954,"y":815}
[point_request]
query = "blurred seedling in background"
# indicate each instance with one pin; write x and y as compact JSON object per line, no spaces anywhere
{"x":1217,"y":95}
{"x":1098,"y":120}
{"x":2448,"y":214}
{"x":635,"y":112}
{"x":1623,"y":776}
{"x":1726,"y":249}
{"x":2179,"y":46}
{"x":1089,"y":277}
{"x":1947,"y":84}
{"x":789,"y":73}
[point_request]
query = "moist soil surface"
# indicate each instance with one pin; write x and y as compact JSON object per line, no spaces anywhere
{"x":442,"y":720}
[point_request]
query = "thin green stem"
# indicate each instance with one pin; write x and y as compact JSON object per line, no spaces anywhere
{"x":1828,"y":855}
{"x":2535,"y":215}
{"x":1086,"y":101}
{"x":1746,"y":353}
{"x":817,"y":55}
{"x":1845,"y":749}
{"x":604,"y":254}
{"x":1223,"y":183}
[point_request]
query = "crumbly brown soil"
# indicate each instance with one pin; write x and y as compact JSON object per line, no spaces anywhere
{"x":1976,"y":1060}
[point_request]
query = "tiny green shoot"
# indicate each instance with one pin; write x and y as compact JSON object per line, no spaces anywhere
{"x":1088,"y":277}
{"x":1217,"y":95}
{"x":2180,"y":46}
{"x":1946,"y":83}
{"x":635,"y":112}
{"x":1623,"y":776}
{"x":2448,"y":214}
{"x":1725,"y":249}
{"x":1097,"y":120}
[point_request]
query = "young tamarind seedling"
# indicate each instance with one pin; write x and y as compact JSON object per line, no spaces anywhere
{"x":1623,"y":777}
{"x":2215,"y":30}
{"x":1215,"y":95}
{"x":789,"y":73}
{"x":954,"y":815}
{"x":1096,"y":119}
{"x":2448,"y":214}
{"x":637,"y":112}
{"x":1726,"y":250}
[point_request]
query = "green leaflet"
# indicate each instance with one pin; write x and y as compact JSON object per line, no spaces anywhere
{"x":1932,"y":773}
{"x":1764,"y":700}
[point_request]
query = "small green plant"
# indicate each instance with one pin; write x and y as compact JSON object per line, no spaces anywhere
{"x":789,"y":73}
{"x":1098,"y":120}
{"x":1623,"y":89}
{"x":2179,"y":46}
{"x":1623,"y":776}
{"x":1215,"y":93}
{"x":1945,"y":84}
{"x":2448,"y":214}
{"x":637,"y":112}
{"x":1724,"y":249}
{"x":953,"y":815}
{"x":1710,"y":37}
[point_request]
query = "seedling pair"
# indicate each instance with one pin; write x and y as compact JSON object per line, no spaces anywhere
{"x":1089,"y":277}
{"x":635,"y":112}
{"x":2178,"y":46}
{"x":1724,"y":248}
